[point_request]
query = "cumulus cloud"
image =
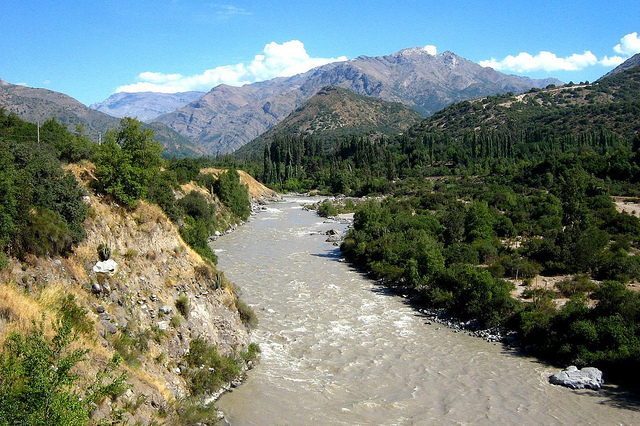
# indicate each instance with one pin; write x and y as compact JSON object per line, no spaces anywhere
{"x":629,"y":45}
{"x":431,"y":49}
{"x":547,"y":61}
{"x":277,"y":60}
{"x":543,"y":61}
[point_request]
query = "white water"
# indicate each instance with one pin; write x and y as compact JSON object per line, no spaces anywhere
{"x":339,"y":350}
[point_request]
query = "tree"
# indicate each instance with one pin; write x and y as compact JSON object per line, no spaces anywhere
{"x":37,"y":382}
{"x":233,"y":193}
{"x":127,"y":162}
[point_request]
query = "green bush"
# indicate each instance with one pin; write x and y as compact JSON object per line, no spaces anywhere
{"x":208,"y":370}
{"x":577,"y":285}
{"x":326,"y":209}
{"x":233,"y":193}
{"x":247,"y":315}
{"x":74,"y":315}
{"x":37,"y":383}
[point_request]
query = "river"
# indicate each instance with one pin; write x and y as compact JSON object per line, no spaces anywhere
{"x":339,"y":350}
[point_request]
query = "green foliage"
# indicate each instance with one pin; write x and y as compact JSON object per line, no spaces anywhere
{"x":104,"y":252}
{"x":74,"y":315}
{"x":575,"y":286}
{"x":131,"y":344}
{"x":196,"y":234}
{"x":247,"y":315}
{"x":208,"y":370}
{"x":41,"y":207}
{"x":37,"y":382}
{"x":327,"y":209}
{"x":127,"y":162}
{"x":233,"y":193}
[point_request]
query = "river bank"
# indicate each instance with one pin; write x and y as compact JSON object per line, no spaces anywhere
{"x":340,"y":349}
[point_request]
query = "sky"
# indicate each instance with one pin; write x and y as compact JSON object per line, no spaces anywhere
{"x":91,"y":49}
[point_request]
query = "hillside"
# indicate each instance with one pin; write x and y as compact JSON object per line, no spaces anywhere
{"x":145,"y":106}
{"x":228,"y":117}
{"x":609,"y":105}
{"x":38,"y":105}
{"x":161,"y":298}
{"x":335,"y":113}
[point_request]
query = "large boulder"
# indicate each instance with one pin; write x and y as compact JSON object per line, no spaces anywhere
{"x":108,"y":267}
{"x":588,"y":377}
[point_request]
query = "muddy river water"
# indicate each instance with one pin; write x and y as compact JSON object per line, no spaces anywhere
{"x":339,"y":350}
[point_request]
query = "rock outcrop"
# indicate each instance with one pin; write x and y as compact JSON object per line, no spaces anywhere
{"x":574,"y":378}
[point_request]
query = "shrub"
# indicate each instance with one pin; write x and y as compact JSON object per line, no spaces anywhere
{"x":131,"y":344}
{"x":37,"y":386}
{"x":577,"y":285}
{"x":327,"y":209}
{"x":183,"y":306}
{"x":216,"y":369}
{"x":104,"y":252}
{"x":247,"y":315}
{"x":75,"y":315}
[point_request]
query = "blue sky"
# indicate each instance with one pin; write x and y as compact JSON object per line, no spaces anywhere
{"x":91,"y":49}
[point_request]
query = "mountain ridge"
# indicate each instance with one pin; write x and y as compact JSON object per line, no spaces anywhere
{"x":38,"y":105}
{"x":226,"y":118}
{"x":145,"y":106}
{"x":334,"y":113}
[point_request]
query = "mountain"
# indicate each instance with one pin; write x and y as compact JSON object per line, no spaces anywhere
{"x":144,"y":106}
{"x":38,"y":105}
{"x":633,"y":61}
{"x":334,"y":113}
{"x":228,"y":117}
{"x":606,"y":109}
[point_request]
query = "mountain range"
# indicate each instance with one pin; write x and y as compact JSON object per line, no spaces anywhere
{"x":333,"y":114}
{"x":38,"y":105}
{"x":228,"y":117}
{"x":145,"y":106}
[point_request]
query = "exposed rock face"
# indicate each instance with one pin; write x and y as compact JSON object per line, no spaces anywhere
{"x":588,"y":377}
{"x":228,"y":117}
{"x":154,"y":271}
{"x":144,"y":106}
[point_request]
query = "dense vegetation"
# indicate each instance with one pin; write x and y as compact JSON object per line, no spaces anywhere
{"x":41,"y":207}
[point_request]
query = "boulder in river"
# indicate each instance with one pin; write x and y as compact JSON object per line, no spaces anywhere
{"x":588,"y":377}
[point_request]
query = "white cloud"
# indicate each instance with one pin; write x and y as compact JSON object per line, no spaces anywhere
{"x":277,"y":60}
{"x":543,"y":61}
{"x":629,"y":45}
{"x":613,"y":61}
{"x":431,"y":49}
{"x":547,"y":61}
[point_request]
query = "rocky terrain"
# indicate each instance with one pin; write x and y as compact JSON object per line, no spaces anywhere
{"x":144,"y":106}
{"x":159,"y":297}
